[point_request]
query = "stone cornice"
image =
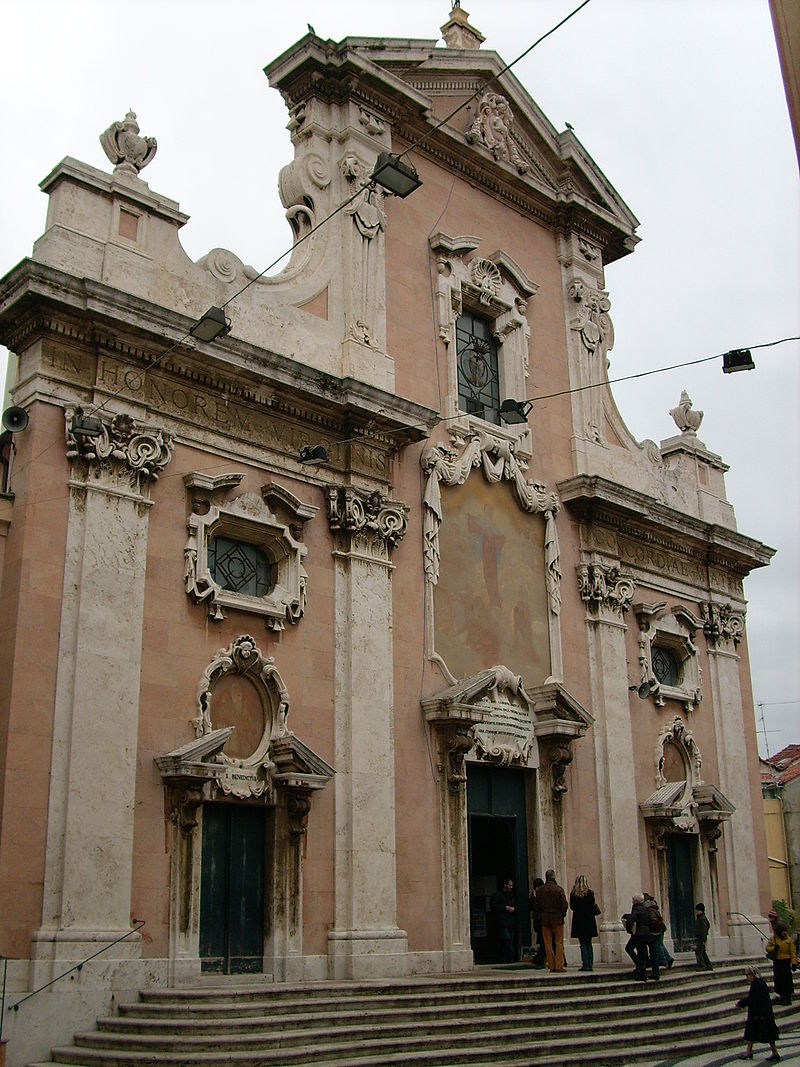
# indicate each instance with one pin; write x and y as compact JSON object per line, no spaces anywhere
{"x":39,"y":301}
{"x":619,"y":508}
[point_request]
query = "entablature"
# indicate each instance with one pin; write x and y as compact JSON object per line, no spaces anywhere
{"x":618,"y":508}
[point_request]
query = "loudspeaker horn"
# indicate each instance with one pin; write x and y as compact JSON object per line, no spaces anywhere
{"x":15,"y":419}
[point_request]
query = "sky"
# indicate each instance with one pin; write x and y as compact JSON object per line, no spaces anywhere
{"x":680,"y":103}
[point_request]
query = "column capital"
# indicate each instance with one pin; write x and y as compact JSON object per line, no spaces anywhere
{"x":124,"y":451}
{"x":722,"y":625}
{"x":605,"y":586}
{"x":368,"y":522}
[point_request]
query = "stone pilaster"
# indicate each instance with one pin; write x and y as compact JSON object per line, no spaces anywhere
{"x":724,"y":627}
{"x":607,"y":594}
{"x":87,"y":886}
{"x":365,"y":941}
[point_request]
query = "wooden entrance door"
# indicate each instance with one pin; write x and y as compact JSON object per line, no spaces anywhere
{"x":681,"y":890}
{"x":232,"y":889}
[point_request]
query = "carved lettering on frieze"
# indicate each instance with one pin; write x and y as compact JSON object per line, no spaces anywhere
{"x":125,"y":451}
{"x":660,"y":561}
{"x":722,"y":624}
{"x":369,"y":522}
{"x":603,"y":585}
{"x":492,"y":129}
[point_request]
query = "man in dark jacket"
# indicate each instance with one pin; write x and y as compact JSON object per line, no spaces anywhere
{"x":552,"y":901}
{"x":504,"y":913}
{"x":637,"y":923}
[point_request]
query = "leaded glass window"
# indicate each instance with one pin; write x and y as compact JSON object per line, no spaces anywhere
{"x":665,"y":666}
{"x":478,"y":379}
{"x":240,"y":567}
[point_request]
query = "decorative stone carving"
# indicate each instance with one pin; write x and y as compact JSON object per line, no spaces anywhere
{"x":560,"y":756}
{"x":124,"y":451}
{"x":457,"y":744}
{"x":498,"y":462}
{"x":366,"y":209}
{"x":687,"y":420}
{"x":679,"y":735}
{"x":603,"y":585}
{"x":591,"y":317}
{"x":188,"y":805}
{"x":486,"y":278}
{"x":299,"y":806}
{"x":492,"y":129}
{"x":272,"y":522}
{"x":496,"y":288}
{"x":371,"y":123}
{"x":365,"y":249}
{"x":243,"y":657}
{"x":506,"y":735}
{"x":722,"y":624}
{"x":559,"y":719}
{"x":370,"y":522}
{"x":129,"y":152}
{"x":672,"y":630}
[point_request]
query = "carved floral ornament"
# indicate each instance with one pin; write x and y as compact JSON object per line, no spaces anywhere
{"x":591,"y":318}
{"x":125,"y":450}
{"x":722,"y":624}
{"x":443,"y":464}
{"x":492,"y":129}
{"x":368,"y":521}
{"x":603,"y":585}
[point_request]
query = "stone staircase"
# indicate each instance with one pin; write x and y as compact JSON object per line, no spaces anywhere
{"x":511,"y":1017}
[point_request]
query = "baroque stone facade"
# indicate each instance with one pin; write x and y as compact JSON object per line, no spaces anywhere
{"x":474,"y":639}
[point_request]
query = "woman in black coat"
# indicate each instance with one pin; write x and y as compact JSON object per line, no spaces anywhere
{"x":584,"y":926}
{"x":760,"y":1025}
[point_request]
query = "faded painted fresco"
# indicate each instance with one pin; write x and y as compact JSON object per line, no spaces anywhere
{"x":490,"y":604}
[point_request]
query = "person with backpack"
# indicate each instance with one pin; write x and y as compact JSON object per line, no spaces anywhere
{"x":658,"y":925}
{"x":637,"y":923}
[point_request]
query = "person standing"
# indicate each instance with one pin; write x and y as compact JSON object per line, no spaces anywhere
{"x":701,"y":929}
{"x":504,"y":911}
{"x":536,"y":920}
{"x":552,"y":908}
{"x":780,"y":949}
{"x":637,"y":923}
{"x":584,"y":908}
{"x":760,"y":1025}
{"x":657,"y":949}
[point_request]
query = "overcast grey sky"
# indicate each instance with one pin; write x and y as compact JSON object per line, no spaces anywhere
{"x":679,"y":102}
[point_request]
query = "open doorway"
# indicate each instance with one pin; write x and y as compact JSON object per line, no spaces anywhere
{"x":498,"y":849}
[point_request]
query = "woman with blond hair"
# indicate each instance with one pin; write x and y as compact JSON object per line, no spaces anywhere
{"x":584,"y":925}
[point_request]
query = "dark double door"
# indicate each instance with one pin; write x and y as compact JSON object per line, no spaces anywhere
{"x":681,"y":890}
{"x":232,"y":889}
{"x":498,"y":849}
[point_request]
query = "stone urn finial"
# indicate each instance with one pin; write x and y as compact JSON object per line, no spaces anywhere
{"x":125,"y":148}
{"x":687,"y":421}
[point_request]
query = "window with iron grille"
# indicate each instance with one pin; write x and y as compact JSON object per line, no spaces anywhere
{"x":240,"y":567}
{"x":665,"y":666}
{"x":478,"y":378}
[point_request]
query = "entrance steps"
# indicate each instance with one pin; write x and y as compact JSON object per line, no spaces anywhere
{"x":510,"y":1017}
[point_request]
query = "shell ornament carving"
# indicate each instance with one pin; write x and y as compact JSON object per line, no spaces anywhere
{"x":486,"y":278}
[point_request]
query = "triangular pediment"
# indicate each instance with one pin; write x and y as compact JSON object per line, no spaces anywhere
{"x":546,"y":173}
{"x":297,"y":764}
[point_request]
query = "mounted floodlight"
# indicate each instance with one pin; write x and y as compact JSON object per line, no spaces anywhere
{"x":85,"y":425}
{"x":644,"y":689}
{"x":15,"y":419}
{"x":313,"y":455}
{"x":393,"y":174}
{"x":211,"y":325}
{"x":515,"y":411}
{"x":738,"y":359}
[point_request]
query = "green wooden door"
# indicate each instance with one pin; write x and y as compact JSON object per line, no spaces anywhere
{"x":681,"y":891}
{"x":232,"y":889}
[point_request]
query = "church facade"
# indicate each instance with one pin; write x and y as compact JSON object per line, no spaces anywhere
{"x":317,"y":630}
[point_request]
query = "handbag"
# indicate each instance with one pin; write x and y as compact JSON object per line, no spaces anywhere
{"x":596,"y":908}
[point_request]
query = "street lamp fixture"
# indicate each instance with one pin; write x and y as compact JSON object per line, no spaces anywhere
{"x":313,"y":455}
{"x":211,"y":325}
{"x":84,"y":425}
{"x":515,"y":411}
{"x":394,"y":175}
{"x":738,"y":359}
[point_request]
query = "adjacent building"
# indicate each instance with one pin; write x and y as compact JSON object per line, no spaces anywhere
{"x":316,"y":630}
